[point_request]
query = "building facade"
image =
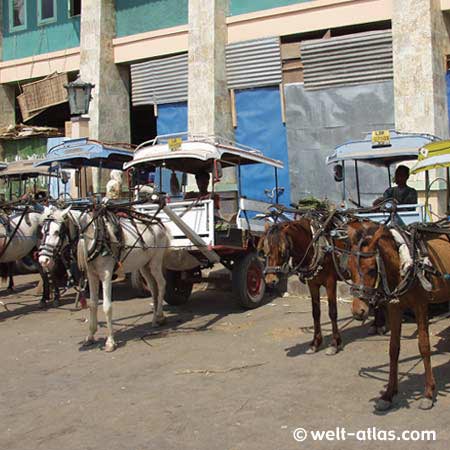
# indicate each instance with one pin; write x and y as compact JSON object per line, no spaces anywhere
{"x":293,"y":78}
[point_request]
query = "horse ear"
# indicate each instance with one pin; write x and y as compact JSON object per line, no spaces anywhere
{"x":266,"y":226}
{"x":64,"y":212}
{"x":375,"y":239}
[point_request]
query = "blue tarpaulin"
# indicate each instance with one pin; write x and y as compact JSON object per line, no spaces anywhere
{"x":447,"y":79}
{"x":53,"y":188}
{"x":172,"y":118}
{"x":259,"y":125}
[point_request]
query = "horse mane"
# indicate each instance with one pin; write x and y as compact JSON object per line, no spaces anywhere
{"x":276,"y":237}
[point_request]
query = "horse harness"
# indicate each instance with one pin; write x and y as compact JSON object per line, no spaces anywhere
{"x":319,"y":245}
{"x":420,"y":269}
{"x":9,"y":232}
{"x":103,"y":244}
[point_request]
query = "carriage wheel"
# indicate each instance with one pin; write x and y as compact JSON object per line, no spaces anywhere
{"x":248,"y":281}
{"x":178,"y":290}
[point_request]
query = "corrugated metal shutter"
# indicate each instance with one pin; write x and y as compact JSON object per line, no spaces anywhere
{"x":254,"y":63}
{"x":353,"y":59}
{"x":165,"y":80}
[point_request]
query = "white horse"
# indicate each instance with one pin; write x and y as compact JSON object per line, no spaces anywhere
{"x":142,"y":248}
{"x":19,"y":234}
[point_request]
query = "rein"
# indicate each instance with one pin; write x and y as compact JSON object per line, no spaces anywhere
{"x":381,"y":293}
{"x":3,"y":250}
{"x":313,"y":269}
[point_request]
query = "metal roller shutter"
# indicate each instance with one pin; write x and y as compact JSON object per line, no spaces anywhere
{"x":352,"y":59}
{"x":165,"y":80}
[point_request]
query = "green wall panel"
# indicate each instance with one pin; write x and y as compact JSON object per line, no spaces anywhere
{"x":246,"y":6}
{"x":37,"y":39}
{"x":138,"y":16}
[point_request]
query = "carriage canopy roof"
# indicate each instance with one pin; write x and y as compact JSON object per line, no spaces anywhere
{"x":382,"y":148}
{"x":76,"y":153}
{"x":196,"y":153}
{"x":23,"y":169}
{"x":433,"y":156}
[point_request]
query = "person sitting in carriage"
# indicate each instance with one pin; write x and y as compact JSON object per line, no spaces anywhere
{"x":202,"y":180}
{"x":402,"y":193}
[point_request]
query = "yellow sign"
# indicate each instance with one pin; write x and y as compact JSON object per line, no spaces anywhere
{"x":174,"y":144}
{"x":381,"y":138}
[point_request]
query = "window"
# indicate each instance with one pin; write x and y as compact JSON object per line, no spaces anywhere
{"x":74,"y":8}
{"x":18,"y":14}
{"x":46,"y":11}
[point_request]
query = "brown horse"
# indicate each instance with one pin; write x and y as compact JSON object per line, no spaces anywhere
{"x":287,"y":242}
{"x":376,"y":272}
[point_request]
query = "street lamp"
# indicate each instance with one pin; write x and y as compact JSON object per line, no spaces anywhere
{"x":79,"y":93}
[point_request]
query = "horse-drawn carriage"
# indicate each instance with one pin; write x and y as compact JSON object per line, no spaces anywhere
{"x":380,"y":149}
{"x":210,"y":227}
{"x":22,"y":179}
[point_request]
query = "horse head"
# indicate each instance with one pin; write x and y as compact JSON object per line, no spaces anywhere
{"x":276,"y":247}
{"x":370,"y":265}
{"x":53,"y":235}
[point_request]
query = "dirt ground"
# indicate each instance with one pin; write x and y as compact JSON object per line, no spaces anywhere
{"x":215,"y":377}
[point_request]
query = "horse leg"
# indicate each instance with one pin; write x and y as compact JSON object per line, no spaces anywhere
{"x":53,"y":286}
{"x":421,"y":312}
{"x":56,"y":301}
{"x":395,"y":315}
{"x":93,"y":303}
{"x":378,"y":325}
{"x":156,"y":271}
{"x":336,"y":342}
{"x":107,"y":309}
{"x":314,"y":290}
{"x":152,"y":285}
{"x":10,"y":277}
{"x":45,"y":289}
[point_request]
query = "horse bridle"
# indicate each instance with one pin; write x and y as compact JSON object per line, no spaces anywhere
{"x":50,"y":250}
{"x":381,"y":293}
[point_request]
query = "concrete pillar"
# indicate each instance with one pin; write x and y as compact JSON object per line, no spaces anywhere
{"x":209,"y":110}
{"x":7,"y":93}
{"x":420,"y":41}
{"x":109,"y":109}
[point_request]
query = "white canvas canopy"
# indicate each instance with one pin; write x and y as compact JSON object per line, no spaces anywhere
{"x":195,"y":154}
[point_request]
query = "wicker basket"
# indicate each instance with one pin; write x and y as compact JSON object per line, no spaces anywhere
{"x":24,"y":109}
{"x":45,"y":93}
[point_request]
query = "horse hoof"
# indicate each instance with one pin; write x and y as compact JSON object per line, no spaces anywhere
{"x":88,"y":342}
{"x":382,"y":405}
{"x":42,"y":304}
{"x":311,"y":350}
{"x":331,"y":351}
{"x":56,"y":303}
{"x":381,"y":330}
{"x":426,"y":403}
{"x":372,"y":331}
{"x":110,"y":347}
{"x":159,"y":322}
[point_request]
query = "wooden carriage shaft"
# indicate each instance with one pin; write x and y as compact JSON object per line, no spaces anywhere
{"x":211,"y":255}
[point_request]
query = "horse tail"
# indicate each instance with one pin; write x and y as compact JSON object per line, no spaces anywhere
{"x":5,"y":270}
{"x":82,"y":255}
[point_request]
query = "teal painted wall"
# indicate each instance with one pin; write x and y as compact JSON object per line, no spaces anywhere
{"x":138,"y":16}
{"x":245,"y":6}
{"x":37,"y":39}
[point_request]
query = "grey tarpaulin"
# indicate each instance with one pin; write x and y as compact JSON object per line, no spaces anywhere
{"x":318,"y":121}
